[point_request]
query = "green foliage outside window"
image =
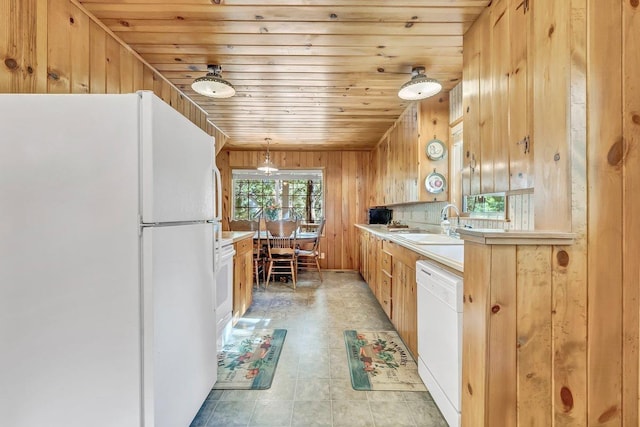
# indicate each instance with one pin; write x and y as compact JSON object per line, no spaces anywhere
{"x":278,"y":199}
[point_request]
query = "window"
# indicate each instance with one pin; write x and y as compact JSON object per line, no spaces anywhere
{"x":486,"y":205}
{"x":280,"y":195}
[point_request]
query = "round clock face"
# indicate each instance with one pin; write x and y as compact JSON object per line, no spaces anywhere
{"x":436,"y":149}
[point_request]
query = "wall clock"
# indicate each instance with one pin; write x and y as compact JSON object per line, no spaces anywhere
{"x":436,"y":149}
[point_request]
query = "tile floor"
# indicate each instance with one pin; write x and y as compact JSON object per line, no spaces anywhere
{"x":312,"y":386}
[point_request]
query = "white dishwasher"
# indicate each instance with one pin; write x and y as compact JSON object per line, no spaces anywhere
{"x":440,"y":337}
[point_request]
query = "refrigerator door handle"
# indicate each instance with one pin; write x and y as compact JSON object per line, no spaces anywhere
{"x":218,"y":202}
{"x":217,"y":253}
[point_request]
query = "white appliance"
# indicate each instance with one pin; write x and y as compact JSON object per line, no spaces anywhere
{"x":106,"y":275}
{"x":440,"y":337}
{"x":224,"y":292}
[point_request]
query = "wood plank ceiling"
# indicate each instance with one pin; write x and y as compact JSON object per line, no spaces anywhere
{"x":309,"y":74}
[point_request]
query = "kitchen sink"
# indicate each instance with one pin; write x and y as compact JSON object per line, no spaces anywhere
{"x":429,"y":239}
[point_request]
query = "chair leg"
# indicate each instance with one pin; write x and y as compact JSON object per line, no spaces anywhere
{"x":318,"y":265}
{"x":266,"y":284}
{"x":293,"y":273}
{"x":257,"y":276}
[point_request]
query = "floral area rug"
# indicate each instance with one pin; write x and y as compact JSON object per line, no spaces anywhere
{"x":248,"y":361}
{"x":380,"y":361}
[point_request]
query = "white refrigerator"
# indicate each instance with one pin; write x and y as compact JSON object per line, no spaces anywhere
{"x":107,"y":292}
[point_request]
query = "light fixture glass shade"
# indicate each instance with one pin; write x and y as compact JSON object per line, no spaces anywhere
{"x":267,"y":166}
{"x":213,"y":85}
{"x":419,"y":87}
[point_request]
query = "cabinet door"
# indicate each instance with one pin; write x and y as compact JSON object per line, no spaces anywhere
{"x":397,"y":295}
{"x":520,"y":143}
{"x":384,"y":297}
{"x":238,"y":290}
{"x":411,"y":311}
{"x":495,"y":161}
{"x":248,"y":279}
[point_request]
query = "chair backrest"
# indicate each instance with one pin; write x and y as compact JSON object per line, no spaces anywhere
{"x":243,"y":225}
{"x":319,"y":234}
{"x":281,"y":234}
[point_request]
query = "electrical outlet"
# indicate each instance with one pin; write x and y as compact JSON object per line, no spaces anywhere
{"x":321,"y":255}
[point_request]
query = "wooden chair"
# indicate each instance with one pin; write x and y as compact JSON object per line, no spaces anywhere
{"x":307,"y":258}
{"x":281,"y":244}
{"x":258,"y":251}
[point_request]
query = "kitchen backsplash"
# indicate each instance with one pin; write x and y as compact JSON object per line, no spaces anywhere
{"x":427,"y":215}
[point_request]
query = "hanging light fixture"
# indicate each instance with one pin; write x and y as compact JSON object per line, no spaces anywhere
{"x":419,"y":87}
{"x":213,"y":85}
{"x":267,"y":166}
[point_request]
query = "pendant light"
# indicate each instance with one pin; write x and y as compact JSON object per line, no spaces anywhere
{"x":213,"y":85}
{"x":419,"y":87}
{"x":267,"y":166}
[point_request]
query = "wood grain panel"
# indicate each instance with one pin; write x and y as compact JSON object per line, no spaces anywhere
{"x":79,"y":31}
{"x":477,"y":259}
{"x":281,"y":13}
{"x":520,"y":154}
{"x":471,"y":106}
{"x":551,"y":80}
{"x":59,"y":54}
{"x":97,"y":59}
{"x":605,"y":151}
{"x":23,"y":46}
{"x":631,"y":207}
{"x":485,"y":146}
{"x":501,"y":378}
{"x":495,"y":163}
{"x":534,"y":335}
{"x":434,"y":123}
{"x":570,"y":263}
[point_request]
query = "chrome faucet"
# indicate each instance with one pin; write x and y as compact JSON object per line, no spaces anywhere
{"x":446,"y":225}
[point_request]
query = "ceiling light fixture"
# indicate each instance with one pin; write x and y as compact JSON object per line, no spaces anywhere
{"x":213,"y":85}
{"x":419,"y":87}
{"x":267,"y":166}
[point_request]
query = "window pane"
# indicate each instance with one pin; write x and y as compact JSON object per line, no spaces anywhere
{"x":278,"y":196}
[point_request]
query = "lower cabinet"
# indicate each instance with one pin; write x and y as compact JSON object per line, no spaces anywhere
{"x":242,"y":278}
{"x":389,"y":270}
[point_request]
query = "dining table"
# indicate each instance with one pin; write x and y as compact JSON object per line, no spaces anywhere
{"x":301,"y":238}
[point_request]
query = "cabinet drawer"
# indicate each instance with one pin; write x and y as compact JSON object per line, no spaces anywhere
{"x":243,"y":246}
{"x":387,"y":262}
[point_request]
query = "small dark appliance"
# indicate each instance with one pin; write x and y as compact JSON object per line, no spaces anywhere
{"x":380,"y":215}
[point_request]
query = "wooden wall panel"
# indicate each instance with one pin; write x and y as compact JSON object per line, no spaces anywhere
{"x":345,"y":198}
{"x":79,"y":50}
{"x":534,"y":336}
{"x":434,"y":123}
{"x":97,"y":59}
{"x":502,"y":368}
{"x":631,"y":220}
{"x":474,"y":335}
{"x":605,"y":153}
{"x":551,"y":113}
{"x":569,"y":293}
{"x":22,"y":49}
{"x":58,"y":43}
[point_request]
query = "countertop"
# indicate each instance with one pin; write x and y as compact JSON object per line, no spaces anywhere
{"x":450,"y":255}
{"x":236,"y":236}
{"x":515,"y":237}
